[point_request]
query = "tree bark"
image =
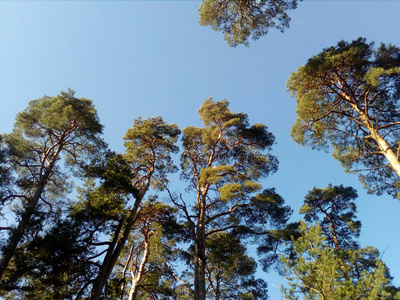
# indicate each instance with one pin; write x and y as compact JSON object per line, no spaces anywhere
{"x":383,"y":146}
{"x":200,"y":253}
{"x":136,"y":279}
{"x":112,"y":255}
{"x":115,"y":250}
{"x":17,"y":234}
{"x":386,"y":150}
{"x":101,"y":278}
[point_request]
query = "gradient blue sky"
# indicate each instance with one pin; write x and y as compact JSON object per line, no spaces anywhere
{"x":149,"y":58}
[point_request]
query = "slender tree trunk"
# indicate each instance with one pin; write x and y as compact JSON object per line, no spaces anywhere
{"x":216,"y":286}
{"x":200,"y":253}
{"x":114,"y":252}
{"x":17,"y":234}
{"x":136,"y":279}
{"x":337,"y":246}
{"x":101,"y":279}
{"x":132,"y":293}
{"x":112,"y":255}
{"x":126,"y":266}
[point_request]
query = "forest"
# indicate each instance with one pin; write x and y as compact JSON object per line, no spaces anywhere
{"x":185,"y":211}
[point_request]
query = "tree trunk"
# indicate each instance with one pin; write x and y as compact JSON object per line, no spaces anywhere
{"x":17,"y":234}
{"x":136,"y":279}
{"x":386,"y":151}
{"x":114,"y":251}
{"x":123,"y":285}
{"x":113,"y":254}
{"x":101,"y":278}
{"x":200,"y":253}
{"x":383,"y":146}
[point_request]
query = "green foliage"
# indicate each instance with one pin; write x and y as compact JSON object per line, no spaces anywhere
{"x":241,"y":19}
{"x":105,"y":193}
{"x":228,"y":149}
{"x":51,"y":266}
{"x":320,"y":272}
{"x":99,"y":209}
{"x":113,"y":171}
{"x":266,"y":221}
{"x":6,"y":179}
{"x":325,"y":261}
{"x":49,"y":129}
{"x":347,"y":98}
{"x":149,"y":145}
{"x":335,"y":209}
{"x":227,"y":156}
{"x":230,"y":271}
{"x":64,"y":120}
{"x":223,"y":163}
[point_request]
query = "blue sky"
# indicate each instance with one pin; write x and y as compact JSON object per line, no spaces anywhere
{"x":150,"y":58}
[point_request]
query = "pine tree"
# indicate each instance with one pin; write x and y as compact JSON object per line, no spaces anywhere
{"x":49,"y":129}
{"x":326,"y":261}
{"x":240,"y":20}
{"x":223,"y":162}
{"x":149,"y":145}
{"x":348,"y":98}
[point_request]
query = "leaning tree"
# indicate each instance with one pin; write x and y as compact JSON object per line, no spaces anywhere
{"x":348,"y":98}
{"x":49,"y":129}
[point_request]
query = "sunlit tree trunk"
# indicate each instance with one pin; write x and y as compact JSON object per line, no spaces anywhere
{"x":383,"y":146}
{"x":138,"y":277}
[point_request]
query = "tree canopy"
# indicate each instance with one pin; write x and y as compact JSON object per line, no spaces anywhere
{"x":348,"y":98}
{"x":149,"y":146}
{"x":230,"y":271}
{"x":223,"y":162}
{"x":47,"y":129}
{"x":114,"y":240}
{"x":326,"y":261}
{"x":240,"y":20}
{"x":335,"y":209}
{"x":319,"y":272}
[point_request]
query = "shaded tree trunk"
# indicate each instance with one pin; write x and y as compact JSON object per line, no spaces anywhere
{"x":200,"y":253}
{"x":113,"y":254}
{"x":115,"y":249}
{"x":17,"y":234}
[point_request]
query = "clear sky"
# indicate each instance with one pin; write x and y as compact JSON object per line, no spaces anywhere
{"x":150,"y":58}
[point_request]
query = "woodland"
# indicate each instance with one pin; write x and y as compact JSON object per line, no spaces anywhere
{"x":80,"y":220}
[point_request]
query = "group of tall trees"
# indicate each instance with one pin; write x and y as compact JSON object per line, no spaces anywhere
{"x":129,"y":232}
{"x":347,"y":95}
{"x":115,"y":241}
